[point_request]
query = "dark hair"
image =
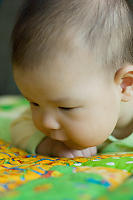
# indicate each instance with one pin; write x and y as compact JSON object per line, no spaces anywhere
{"x":105,"y":27}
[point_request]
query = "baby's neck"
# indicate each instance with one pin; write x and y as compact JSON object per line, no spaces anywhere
{"x":124,"y":126}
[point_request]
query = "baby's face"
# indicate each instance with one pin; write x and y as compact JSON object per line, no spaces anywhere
{"x":70,"y":100}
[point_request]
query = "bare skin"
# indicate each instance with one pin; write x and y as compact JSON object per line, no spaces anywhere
{"x":76,"y":107}
{"x":51,"y":147}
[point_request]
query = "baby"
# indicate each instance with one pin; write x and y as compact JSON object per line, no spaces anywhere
{"x":73,"y":62}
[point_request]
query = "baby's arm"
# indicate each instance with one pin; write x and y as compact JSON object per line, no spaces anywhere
{"x":24,"y":134}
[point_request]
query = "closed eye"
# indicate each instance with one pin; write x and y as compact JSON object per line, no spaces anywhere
{"x":66,"y":108}
{"x":34,"y":104}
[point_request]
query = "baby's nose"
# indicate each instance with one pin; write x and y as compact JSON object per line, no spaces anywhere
{"x":50,"y":122}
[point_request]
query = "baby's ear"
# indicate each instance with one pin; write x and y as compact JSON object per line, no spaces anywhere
{"x":124,"y":78}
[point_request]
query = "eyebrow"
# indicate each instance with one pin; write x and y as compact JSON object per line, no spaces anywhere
{"x":27,"y":98}
{"x":64,"y":99}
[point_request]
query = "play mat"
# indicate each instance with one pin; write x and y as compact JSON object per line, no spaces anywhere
{"x":24,"y":176}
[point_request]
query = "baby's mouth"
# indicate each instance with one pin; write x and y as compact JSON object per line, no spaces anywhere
{"x":72,"y":145}
{"x":58,"y":135}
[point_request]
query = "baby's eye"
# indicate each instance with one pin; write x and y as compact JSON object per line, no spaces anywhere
{"x":66,"y":108}
{"x":34,"y":104}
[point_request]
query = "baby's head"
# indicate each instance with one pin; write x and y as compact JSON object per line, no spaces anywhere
{"x":72,"y":61}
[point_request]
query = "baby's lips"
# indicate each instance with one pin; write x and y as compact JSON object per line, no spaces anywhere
{"x":60,"y":136}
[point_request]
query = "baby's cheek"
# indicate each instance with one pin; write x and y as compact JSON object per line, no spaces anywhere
{"x":85,"y":136}
{"x":36,"y":120}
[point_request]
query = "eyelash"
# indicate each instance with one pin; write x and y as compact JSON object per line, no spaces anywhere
{"x":65,"y":108}
{"x":62,"y":108}
{"x":34,"y":104}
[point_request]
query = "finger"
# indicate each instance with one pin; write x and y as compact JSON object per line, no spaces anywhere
{"x":65,"y":154}
{"x":86,"y":152}
{"x":77,"y":153}
{"x":89,"y":151}
{"x":62,"y":151}
{"x":93,"y":151}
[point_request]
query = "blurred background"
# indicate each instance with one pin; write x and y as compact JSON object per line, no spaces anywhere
{"x":8,"y":12}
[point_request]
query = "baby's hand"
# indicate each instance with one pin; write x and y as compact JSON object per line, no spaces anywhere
{"x":61,"y":150}
{"x":51,"y":147}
